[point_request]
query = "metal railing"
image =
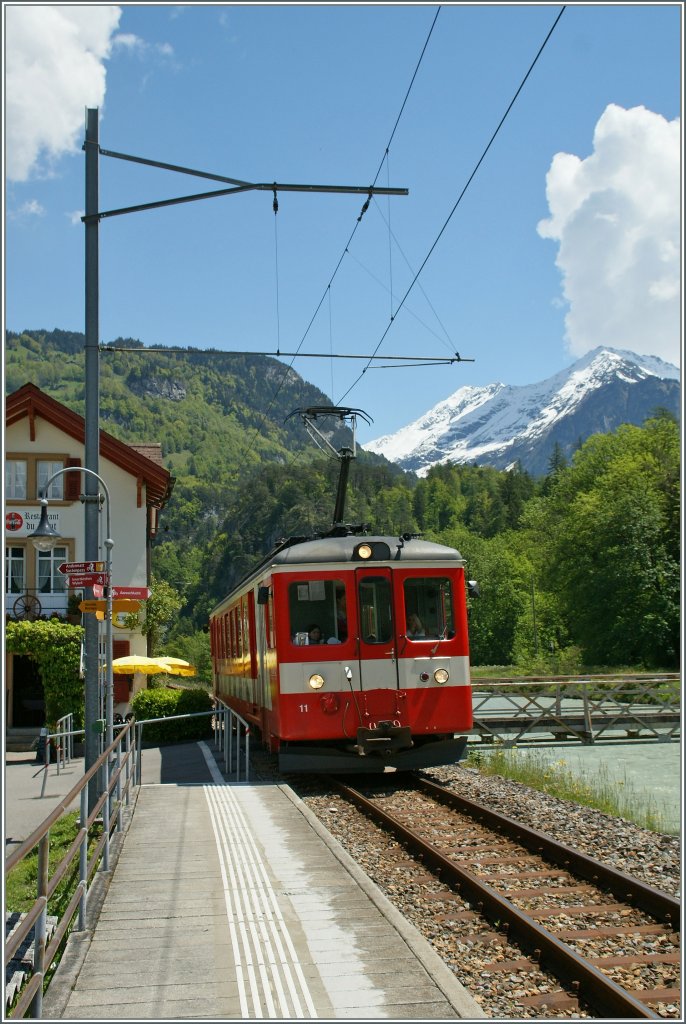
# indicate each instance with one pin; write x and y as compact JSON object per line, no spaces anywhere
{"x":226,"y":725}
{"x":114,"y":763}
{"x":611,"y":707}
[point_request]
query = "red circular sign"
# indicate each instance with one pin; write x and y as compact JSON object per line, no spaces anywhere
{"x":13,"y":521}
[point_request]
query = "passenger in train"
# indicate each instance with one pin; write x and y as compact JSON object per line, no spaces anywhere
{"x":314,"y":634}
{"x":415,"y":627}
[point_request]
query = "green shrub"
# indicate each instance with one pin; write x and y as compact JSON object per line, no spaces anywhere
{"x":165,"y":703}
{"x":56,"y":649}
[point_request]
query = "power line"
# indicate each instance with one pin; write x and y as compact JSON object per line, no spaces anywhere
{"x":459,"y":199}
{"x":347,"y":245}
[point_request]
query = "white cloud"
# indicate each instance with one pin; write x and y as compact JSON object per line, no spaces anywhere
{"x":135,"y":45}
{"x":54,"y":70}
{"x":128,"y":41}
{"x":616,"y":217}
{"x":32,"y":208}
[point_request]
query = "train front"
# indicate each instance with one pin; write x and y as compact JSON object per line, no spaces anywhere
{"x":372,"y":653}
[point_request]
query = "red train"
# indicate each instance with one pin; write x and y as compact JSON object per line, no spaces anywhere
{"x":349,"y":653}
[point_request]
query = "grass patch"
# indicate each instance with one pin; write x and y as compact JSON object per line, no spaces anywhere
{"x":557,"y":779}
{"x":21,"y":882}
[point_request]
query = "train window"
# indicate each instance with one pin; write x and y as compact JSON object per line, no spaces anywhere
{"x":429,"y":608}
{"x":376,"y":621}
{"x":318,"y":603}
{"x":239,"y":632}
{"x":225,"y":641}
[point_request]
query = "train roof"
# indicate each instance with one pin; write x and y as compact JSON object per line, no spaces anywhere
{"x":344,"y":547}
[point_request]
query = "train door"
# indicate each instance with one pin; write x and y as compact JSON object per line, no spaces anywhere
{"x":376,"y":616}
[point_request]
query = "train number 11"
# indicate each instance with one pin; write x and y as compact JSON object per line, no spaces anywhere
{"x":304,"y":707}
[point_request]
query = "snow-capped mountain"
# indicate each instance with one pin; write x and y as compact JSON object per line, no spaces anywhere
{"x":498,"y":425}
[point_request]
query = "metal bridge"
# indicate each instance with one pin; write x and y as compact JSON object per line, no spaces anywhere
{"x":585,"y":708}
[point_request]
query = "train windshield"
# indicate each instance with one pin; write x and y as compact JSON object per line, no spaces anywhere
{"x":317,"y":612}
{"x":429,"y":608}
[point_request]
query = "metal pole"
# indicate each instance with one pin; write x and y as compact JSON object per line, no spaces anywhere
{"x":109,"y":679}
{"x":92,"y":435}
{"x":533,"y":614}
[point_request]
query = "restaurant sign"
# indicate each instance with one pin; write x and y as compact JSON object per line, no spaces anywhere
{"x":22,"y":522}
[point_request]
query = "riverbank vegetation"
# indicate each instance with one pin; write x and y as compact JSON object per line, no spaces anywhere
{"x":597,"y":790}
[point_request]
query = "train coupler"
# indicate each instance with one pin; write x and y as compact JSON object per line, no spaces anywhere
{"x":386,"y":738}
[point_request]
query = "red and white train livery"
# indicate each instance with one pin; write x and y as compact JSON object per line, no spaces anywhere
{"x":349,"y":653}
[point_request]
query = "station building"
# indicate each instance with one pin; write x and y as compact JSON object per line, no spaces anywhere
{"x":43,"y":436}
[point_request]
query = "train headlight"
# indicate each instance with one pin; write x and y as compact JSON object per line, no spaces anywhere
{"x":316,"y":681}
{"x":441,"y":675}
{"x":364,"y":551}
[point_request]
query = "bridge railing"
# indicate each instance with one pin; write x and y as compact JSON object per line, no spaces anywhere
{"x":115,"y":763}
{"x":611,"y":707}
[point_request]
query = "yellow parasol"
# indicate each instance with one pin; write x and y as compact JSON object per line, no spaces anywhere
{"x":139,"y":663}
{"x":178,"y":667}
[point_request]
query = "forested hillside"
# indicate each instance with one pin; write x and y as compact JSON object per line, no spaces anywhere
{"x":580,"y":566}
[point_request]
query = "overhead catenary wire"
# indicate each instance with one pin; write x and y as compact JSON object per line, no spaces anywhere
{"x":364,"y":209}
{"x":327,"y":291}
{"x":459,"y":199}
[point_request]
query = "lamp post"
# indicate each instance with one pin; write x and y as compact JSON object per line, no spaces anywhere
{"x":44,"y":538}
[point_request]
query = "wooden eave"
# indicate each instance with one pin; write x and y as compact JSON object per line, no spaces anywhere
{"x":29,"y":401}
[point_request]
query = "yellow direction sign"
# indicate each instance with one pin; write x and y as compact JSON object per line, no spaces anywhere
{"x":122,"y":605}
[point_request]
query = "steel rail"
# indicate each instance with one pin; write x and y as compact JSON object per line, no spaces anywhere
{"x":658,"y":904}
{"x":589,"y":983}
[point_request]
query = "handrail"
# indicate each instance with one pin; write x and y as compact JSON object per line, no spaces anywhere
{"x":114,"y":761}
{"x":226,"y":723}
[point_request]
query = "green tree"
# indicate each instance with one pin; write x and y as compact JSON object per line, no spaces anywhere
{"x":610,"y":535}
{"x":161,"y":609}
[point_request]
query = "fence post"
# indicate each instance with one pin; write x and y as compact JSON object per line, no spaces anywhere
{"x":127,"y":770}
{"x":40,"y":930}
{"x":46,"y":755}
{"x":83,"y":860}
{"x":117,"y":766}
{"x":106,"y":815}
{"x":588,"y":724}
{"x":227,"y":736}
{"x":139,"y":754}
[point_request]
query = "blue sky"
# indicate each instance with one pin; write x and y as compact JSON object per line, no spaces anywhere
{"x":568,"y":236}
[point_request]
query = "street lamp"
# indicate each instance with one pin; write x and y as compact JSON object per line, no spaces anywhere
{"x":44,"y":538}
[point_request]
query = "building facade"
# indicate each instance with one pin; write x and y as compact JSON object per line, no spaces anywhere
{"x":43,"y":436}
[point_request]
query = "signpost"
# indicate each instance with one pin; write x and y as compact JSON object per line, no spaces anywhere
{"x":87,"y":579}
{"x":66,"y":568}
{"x":137,"y":593}
{"x":117,"y":606}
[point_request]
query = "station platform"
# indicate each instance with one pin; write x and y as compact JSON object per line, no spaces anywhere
{"x":231,"y":901}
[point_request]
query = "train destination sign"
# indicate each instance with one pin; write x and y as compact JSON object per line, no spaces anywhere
{"x":87,"y":579}
{"x":117,"y":606}
{"x":66,"y":568}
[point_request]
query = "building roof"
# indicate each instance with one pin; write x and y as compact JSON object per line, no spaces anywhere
{"x":144,"y":461}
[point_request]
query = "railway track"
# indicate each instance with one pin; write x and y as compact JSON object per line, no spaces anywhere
{"x":545,"y":909}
